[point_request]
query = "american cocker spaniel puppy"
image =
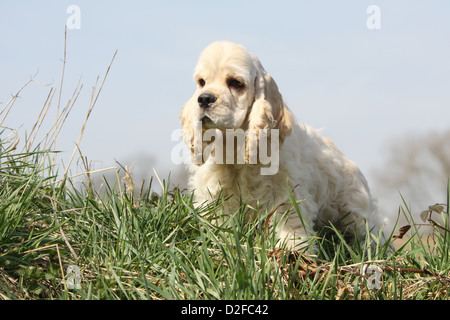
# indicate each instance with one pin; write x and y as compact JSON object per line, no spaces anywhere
{"x":246,"y":144}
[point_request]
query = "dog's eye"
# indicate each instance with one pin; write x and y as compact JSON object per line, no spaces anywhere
{"x":201,"y":83}
{"x":235,"y":84}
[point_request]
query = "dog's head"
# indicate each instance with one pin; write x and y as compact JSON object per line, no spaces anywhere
{"x":234,"y":92}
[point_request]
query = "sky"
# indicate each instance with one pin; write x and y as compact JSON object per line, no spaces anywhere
{"x":366,"y":82}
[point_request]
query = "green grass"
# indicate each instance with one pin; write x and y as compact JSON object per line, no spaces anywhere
{"x":62,"y":239}
{"x":130,"y":245}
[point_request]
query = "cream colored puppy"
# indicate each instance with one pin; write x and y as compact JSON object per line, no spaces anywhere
{"x":237,"y":125}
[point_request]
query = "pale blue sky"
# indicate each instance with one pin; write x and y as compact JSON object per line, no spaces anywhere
{"x":364,"y":87}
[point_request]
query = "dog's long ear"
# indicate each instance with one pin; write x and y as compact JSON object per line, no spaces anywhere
{"x":283,"y":119}
{"x":268,"y":110}
{"x":191,"y":131}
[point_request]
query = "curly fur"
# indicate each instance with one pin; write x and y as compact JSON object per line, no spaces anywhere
{"x":329,"y":184}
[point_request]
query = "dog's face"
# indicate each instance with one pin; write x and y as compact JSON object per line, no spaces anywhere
{"x":234,"y":92}
{"x":225,"y":90}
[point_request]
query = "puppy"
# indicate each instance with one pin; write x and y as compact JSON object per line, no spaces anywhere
{"x":246,"y":145}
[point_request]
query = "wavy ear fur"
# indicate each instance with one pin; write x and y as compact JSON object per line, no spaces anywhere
{"x":268,"y":112}
{"x":187,"y":125}
{"x":190,"y":133}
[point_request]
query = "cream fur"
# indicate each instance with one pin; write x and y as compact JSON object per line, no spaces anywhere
{"x":329,"y":184}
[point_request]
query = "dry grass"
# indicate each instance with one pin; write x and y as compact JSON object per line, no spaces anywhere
{"x":130,"y":243}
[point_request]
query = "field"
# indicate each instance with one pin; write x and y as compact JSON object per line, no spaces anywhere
{"x":62,"y":239}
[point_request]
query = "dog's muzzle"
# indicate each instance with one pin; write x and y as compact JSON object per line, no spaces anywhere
{"x":205,"y":100}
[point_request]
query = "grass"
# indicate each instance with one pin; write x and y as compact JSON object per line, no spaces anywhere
{"x":63,"y":240}
{"x":139,"y":245}
{"x":147,"y":246}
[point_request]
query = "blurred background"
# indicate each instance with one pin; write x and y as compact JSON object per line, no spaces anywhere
{"x":375,"y":75}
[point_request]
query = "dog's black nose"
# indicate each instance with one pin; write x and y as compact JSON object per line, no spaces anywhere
{"x":206,"y":99}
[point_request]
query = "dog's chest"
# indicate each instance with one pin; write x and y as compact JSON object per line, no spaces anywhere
{"x":246,"y":184}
